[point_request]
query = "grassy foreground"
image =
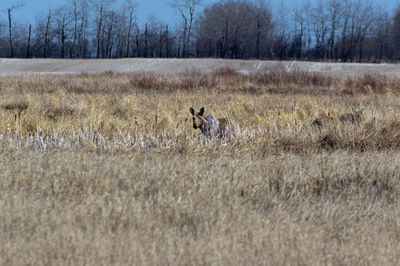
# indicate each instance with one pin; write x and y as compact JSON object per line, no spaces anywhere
{"x":107,"y":169}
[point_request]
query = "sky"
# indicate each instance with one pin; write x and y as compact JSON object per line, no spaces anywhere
{"x":32,"y":8}
{"x":146,"y":8}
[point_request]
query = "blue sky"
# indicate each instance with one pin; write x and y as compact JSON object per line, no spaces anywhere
{"x":158,"y":8}
{"x":33,"y":8}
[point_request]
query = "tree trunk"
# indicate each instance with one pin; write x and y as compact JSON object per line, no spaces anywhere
{"x":63,"y":37}
{"x":167,"y":40}
{"x":236,"y":43}
{"x":344,"y":38}
{"x":178,"y":54}
{"x":189,"y":31}
{"x":46,"y":37}
{"x":161,"y":44}
{"x":225,"y":43}
{"x":129,"y":34}
{"x":73,"y":52}
{"x":137,"y":52}
{"x":10,"y":32}
{"x":146,"y":33}
{"x":81,"y":37}
{"x":28,"y":46}
{"x":109,"y":44}
{"x":184,"y":36}
{"x":99,"y":26}
{"x":258,"y":39}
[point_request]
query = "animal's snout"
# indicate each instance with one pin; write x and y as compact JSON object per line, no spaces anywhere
{"x":195,"y":126}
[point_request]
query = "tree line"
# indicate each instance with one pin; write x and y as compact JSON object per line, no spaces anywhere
{"x":325,"y":30}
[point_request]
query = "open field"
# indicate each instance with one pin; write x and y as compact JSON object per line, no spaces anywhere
{"x":11,"y":67}
{"x":104,"y":169}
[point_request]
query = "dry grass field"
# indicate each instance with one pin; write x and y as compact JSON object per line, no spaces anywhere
{"x":106,"y":169}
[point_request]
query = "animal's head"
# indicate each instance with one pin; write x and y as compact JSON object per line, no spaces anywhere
{"x":198,"y":119}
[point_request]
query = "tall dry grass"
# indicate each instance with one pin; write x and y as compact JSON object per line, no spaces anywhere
{"x":107,"y":169}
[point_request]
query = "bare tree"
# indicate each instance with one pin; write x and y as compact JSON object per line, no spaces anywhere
{"x":396,"y":33}
{"x":282,"y":35}
{"x":78,"y":14}
{"x":264,"y":25}
{"x":130,"y":8}
{"x":186,"y":9}
{"x":101,"y":8}
{"x":235,"y":29}
{"x":348,"y":30}
{"x":346,"y":17}
{"x":300,"y":16}
{"x":28,"y":46}
{"x":84,"y":21}
{"x":99,"y":27}
{"x":62,"y":22}
{"x":155,"y":38}
{"x":108,"y":34}
{"x":47,"y":37}
{"x":73,"y":6}
{"x":146,"y":40}
{"x":380,"y":37}
{"x":167,"y":41}
{"x":320,"y":28}
{"x":334,"y":7}
{"x":363,"y":28}
{"x":10,"y":31}
{"x":137,"y":40}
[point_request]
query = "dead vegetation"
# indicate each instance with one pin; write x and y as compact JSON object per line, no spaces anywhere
{"x":107,"y":169}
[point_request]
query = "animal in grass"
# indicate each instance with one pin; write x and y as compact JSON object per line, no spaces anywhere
{"x":211,"y":127}
{"x":321,"y":121}
{"x":353,"y":117}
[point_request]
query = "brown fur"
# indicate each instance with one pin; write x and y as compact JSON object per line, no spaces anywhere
{"x":354,"y":117}
{"x":213,"y":127}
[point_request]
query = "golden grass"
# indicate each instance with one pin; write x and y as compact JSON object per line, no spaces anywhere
{"x":107,"y":169}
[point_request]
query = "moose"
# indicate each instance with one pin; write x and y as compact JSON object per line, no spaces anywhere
{"x":211,"y":127}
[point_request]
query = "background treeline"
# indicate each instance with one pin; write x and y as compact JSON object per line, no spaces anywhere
{"x":334,"y":30}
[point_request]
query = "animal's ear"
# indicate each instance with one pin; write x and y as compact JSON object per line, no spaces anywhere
{"x":191,"y":110}
{"x":201,"y":111}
